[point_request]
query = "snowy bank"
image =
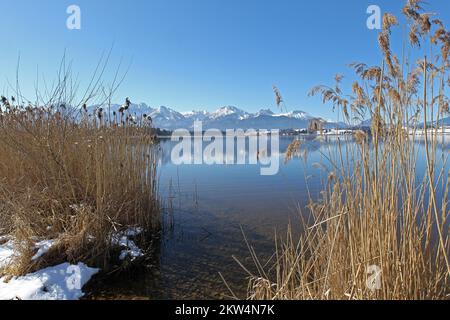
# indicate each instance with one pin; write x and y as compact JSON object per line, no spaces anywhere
{"x":62,"y":282}
{"x":8,"y":250}
{"x":6,"y":253}
{"x":42,"y":248}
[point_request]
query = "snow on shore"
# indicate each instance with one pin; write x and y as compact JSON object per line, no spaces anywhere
{"x":8,"y":250}
{"x":6,"y":253}
{"x":43,"y":247}
{"x":62,"y":282}
{"x":129,"y":248}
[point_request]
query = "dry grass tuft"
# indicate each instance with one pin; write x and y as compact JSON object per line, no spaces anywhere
{"x":376,"y":216}
{"x":74,"y":177}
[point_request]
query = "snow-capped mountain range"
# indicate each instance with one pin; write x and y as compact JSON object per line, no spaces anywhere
{"x":228,"y":117}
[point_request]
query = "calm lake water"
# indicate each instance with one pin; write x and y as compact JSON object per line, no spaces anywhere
{"x":208,"y":207}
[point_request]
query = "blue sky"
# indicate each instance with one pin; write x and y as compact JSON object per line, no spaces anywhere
{"x":197,"y":54}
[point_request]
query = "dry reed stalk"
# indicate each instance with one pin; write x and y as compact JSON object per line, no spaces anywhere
{"x":376,"y":211}
{"x":74,"y":177}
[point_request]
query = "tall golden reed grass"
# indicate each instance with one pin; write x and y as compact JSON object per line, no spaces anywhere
{"x":379,"y":230}
{"x":73,"y":176}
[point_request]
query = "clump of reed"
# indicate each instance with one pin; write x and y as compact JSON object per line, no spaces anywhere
{"x":74,"y":176}
{"x":379,"y":230}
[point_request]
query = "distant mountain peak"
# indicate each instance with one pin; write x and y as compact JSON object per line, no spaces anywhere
{"x":296,"y":114}
{"x":196,"y":115}
{"x":166,"y":113}
{"x":265,"y":112}
{"x":194,"y":112}
{"x":164,"y":109}
{"x":227,"y":117}
{"x":229,"y":111}
{"x":142,"y":105}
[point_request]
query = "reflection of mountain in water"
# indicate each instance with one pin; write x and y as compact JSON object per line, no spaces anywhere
{"x":309,"y":143}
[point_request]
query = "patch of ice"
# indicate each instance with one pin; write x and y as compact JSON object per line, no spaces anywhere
{"x":62,"y":282}
{"x":43,"y":247}
{"x":130,"y":249}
